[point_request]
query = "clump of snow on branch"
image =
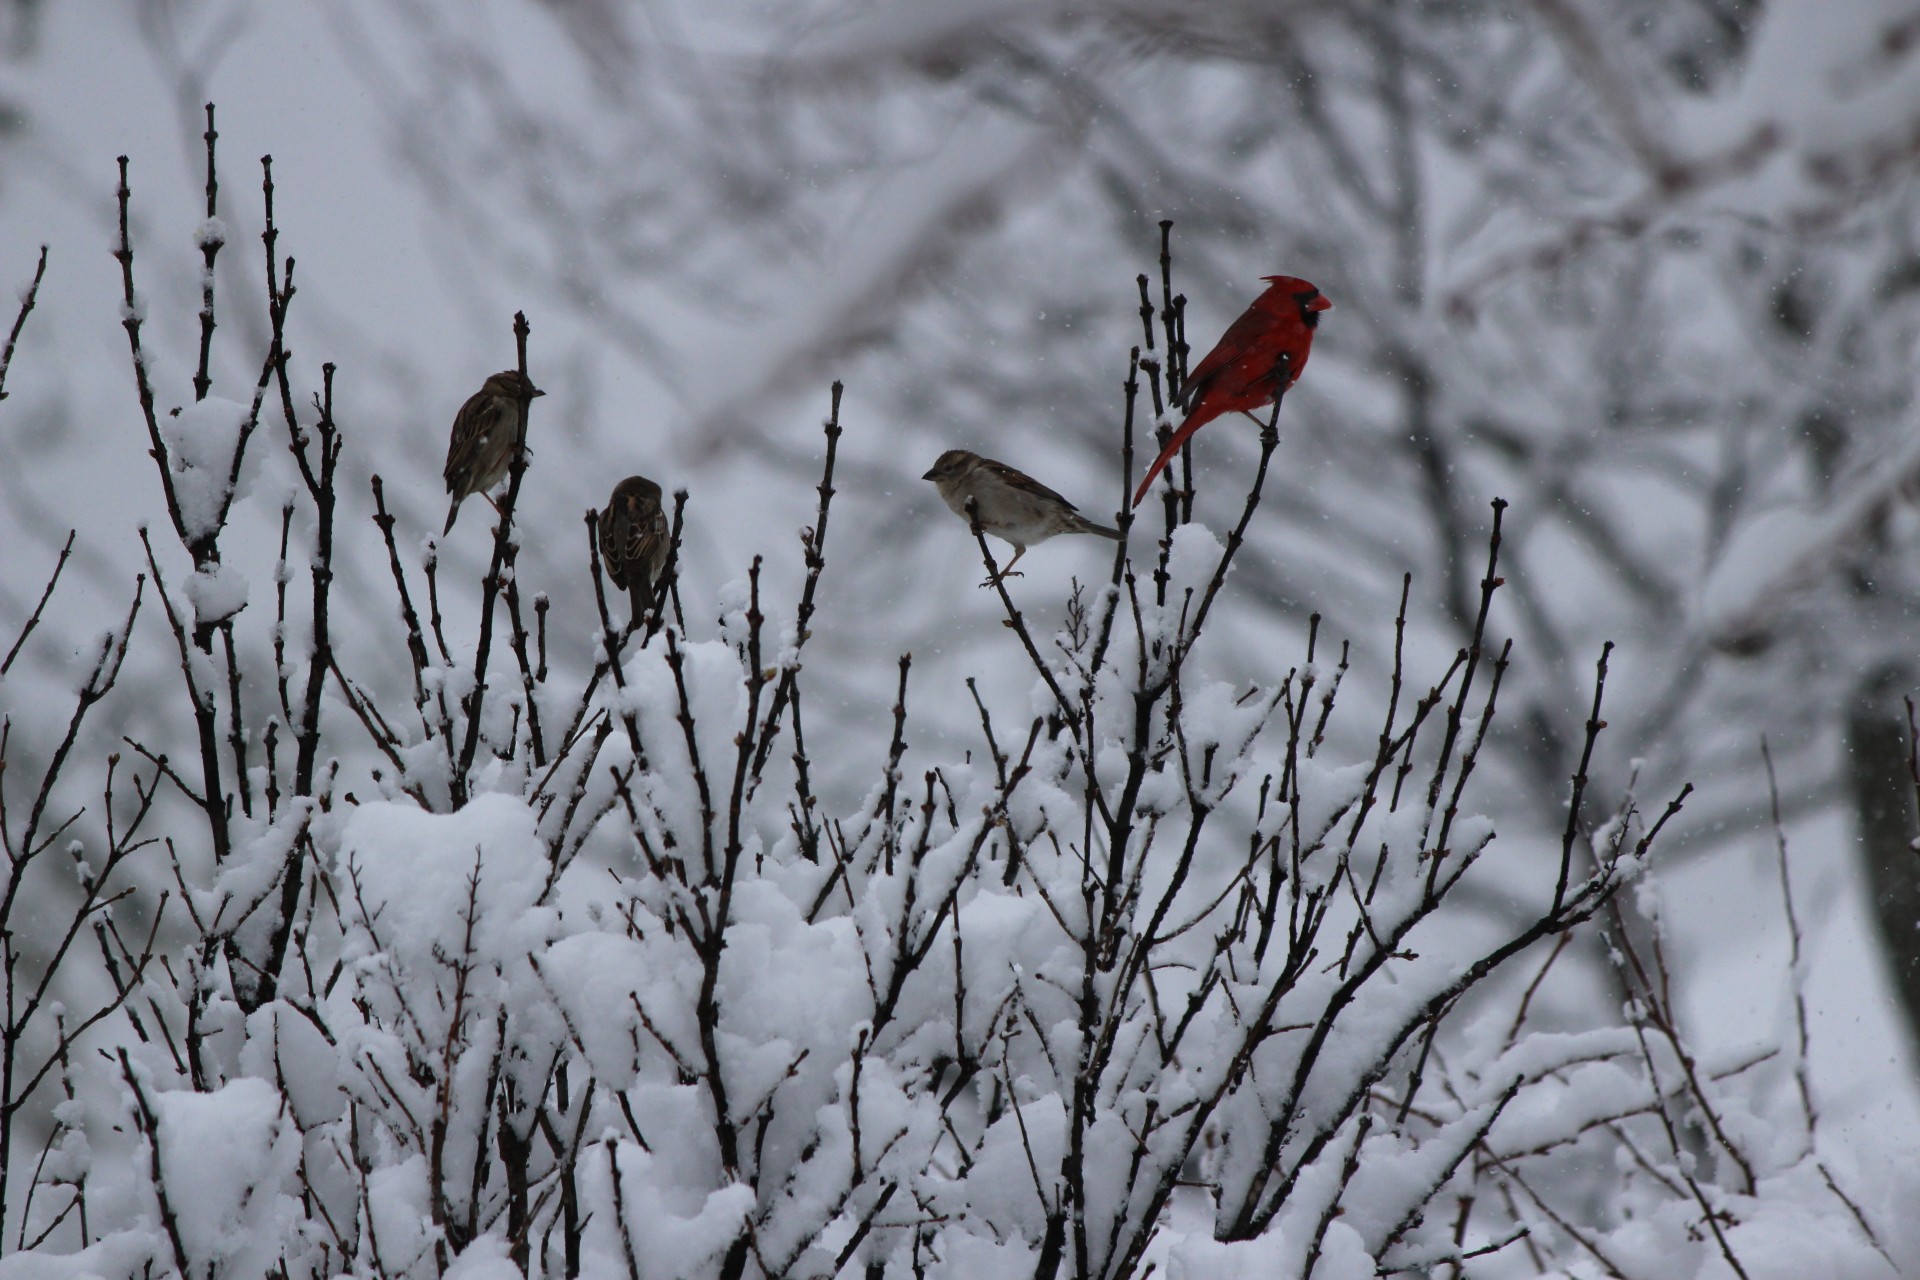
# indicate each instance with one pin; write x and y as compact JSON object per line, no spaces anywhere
{"x":201,"y":439}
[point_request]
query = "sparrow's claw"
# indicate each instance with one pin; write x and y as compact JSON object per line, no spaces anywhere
{"x":998,"y":578}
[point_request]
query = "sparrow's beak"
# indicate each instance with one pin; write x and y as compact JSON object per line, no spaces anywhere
{"x":536,"y":392}
{"x":929,"y":475}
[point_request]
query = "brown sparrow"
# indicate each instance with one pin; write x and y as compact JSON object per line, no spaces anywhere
{"x":634,"y":540}
{"x":480,"y":450}
{"x":1009,"y":504}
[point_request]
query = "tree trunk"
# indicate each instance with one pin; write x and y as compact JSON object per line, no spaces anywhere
{"x":1882,"y":791}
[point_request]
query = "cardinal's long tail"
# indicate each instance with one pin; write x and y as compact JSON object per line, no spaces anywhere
{"x":1200,"y":417}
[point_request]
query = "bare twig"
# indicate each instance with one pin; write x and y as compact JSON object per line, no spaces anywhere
{"x":33,"y":619}
{"x":20,"y":321}
{"x":211,"y":238}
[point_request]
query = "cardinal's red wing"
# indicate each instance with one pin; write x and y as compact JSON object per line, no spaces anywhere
{"x":1244,"y":336}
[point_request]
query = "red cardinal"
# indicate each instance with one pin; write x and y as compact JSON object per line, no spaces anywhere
{"x":1252,"y":366}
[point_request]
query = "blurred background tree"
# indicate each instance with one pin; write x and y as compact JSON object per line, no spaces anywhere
{"x":1647,"y":270}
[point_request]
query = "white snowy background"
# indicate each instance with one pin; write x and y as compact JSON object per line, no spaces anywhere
{"x":1647,"y":271}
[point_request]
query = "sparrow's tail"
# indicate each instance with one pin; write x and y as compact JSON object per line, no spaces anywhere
{"x":1195,"y":420}
{"x":452,"y":511}
{"x":1088,"y":526}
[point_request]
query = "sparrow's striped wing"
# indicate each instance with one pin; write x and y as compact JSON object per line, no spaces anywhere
{"x":475,"y":439}
{"x":1014,"y":478}
{"x":633,"y":540}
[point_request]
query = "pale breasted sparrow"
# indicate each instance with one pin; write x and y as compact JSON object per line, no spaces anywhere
{"x":1009,"y":503}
